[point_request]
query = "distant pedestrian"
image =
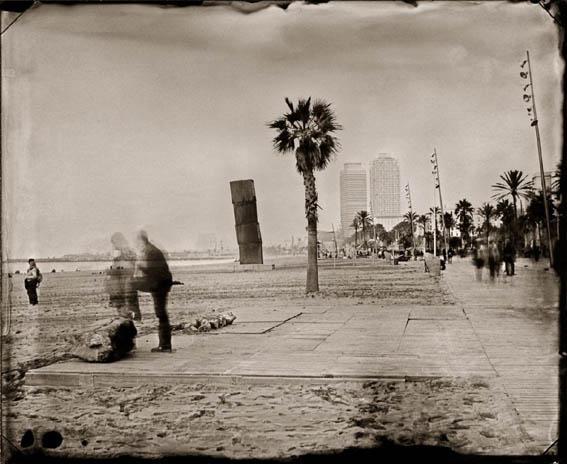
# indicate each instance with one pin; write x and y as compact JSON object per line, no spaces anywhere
{"x":450,"y":254}
{"x":32,"y":280}
{"x":120,"y":286}
{"x":509,"y":255}
{"x":479,"y":259}
{"x":536,"y":252}
{"x":156,"y":279}
{"x":493,"y":261}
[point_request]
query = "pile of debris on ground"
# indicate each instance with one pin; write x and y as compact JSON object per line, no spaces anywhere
{"x":205,"y":323}
{"x":113,"y":339}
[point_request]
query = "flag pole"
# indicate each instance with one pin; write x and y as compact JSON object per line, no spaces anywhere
{"x":440,"y":199}
{"x":411,"y":221}
{"x":535,"y":123}
{"x":434,"y":222}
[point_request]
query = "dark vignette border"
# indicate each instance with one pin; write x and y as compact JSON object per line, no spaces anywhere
{"x":386,"y":452}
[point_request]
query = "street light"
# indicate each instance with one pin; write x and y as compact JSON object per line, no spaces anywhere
{"x":532,"y":112}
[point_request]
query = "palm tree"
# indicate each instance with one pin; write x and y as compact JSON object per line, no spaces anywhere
{"x":505,"y":211}
{"x":355,"y":224}
{"x":307,"y":131}
{"x":449,"y":222}
{"x":365,"y":222}
{"x":514,"y":184}
{"x":423,"y":219}
{"x":464,"y":211}
{"x":535,"y":211}
{"x":411,"y":217}
{"x":487,"y":212}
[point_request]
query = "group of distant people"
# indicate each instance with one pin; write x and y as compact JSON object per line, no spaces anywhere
{"x":129,"y":274}
{"x":492,"y":256}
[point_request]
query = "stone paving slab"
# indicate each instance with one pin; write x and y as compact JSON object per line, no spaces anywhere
{"x":516,"y":324}
{"x":249,"y":327}
{"x":347,"y":341}
{"x":264,"y":314}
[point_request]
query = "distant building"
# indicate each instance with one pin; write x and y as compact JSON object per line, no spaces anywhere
{"x":536,"y":179}
{"x":385,"y":191}
{"x":354,"y":196}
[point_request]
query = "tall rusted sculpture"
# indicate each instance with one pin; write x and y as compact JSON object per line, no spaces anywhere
{"x":246,"y":221}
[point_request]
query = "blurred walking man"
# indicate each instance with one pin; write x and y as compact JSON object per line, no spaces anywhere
{"x":156,"y":279}
{"x":120,"y":279}
{"x":509,"y":257}
{"x":32,"y":281}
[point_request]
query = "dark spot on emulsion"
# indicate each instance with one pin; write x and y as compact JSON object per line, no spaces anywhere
{"x":52,"y":439}
{"x":27,"y":439}
{"x":84,"y":442}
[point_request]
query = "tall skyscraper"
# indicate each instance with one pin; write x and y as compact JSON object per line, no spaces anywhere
{"x":385,"y":190}
{"x":354,"y":196}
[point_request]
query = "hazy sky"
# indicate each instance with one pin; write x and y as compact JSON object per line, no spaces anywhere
{"x":118,"y":117}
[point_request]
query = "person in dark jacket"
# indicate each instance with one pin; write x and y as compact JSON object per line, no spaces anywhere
{"x":32,"y":280}
{"x":509,"y":255}
{"x":155,"y":279}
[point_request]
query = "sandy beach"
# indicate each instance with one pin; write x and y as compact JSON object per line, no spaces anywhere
{"x":256,"y":420}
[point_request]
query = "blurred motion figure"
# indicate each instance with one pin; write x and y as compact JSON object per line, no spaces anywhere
{"x":155,"y":279}
{"x":120,"y":279}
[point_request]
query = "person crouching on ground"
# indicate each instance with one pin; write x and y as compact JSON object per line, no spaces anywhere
{"x":32,"y":280}
{"x":120,"y":286}
{"x":157,"y":280}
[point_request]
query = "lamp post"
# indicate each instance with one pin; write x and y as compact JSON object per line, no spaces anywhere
{"x":535,"y":124}
{"x":435,"y":162}
{"x":408,"y":196}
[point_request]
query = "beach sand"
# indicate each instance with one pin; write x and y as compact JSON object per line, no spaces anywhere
{"x":271,"y":420}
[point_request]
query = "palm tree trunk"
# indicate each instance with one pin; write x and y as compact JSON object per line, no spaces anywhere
{"x":312,"y":284}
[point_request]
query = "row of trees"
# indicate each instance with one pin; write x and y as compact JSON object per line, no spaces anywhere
{"x":308,"y":131}
{"x":363,"y":221}
{"x":507,"y":219}
{"x":515,"y":223}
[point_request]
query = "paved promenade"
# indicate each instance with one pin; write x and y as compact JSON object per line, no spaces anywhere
{"x":515,"y":321}
{"x":505,"y":331}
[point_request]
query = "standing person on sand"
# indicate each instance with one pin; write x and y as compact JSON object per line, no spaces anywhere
{"x":156,"y":279}
{"x":120,"y":285}
{"x":32,"y":280}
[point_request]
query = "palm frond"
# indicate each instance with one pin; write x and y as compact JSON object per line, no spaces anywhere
{"x":289,"y":104}
{"x":308,"y":130}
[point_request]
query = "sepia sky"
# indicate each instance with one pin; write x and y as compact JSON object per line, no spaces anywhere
{"x":119,"y":117}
